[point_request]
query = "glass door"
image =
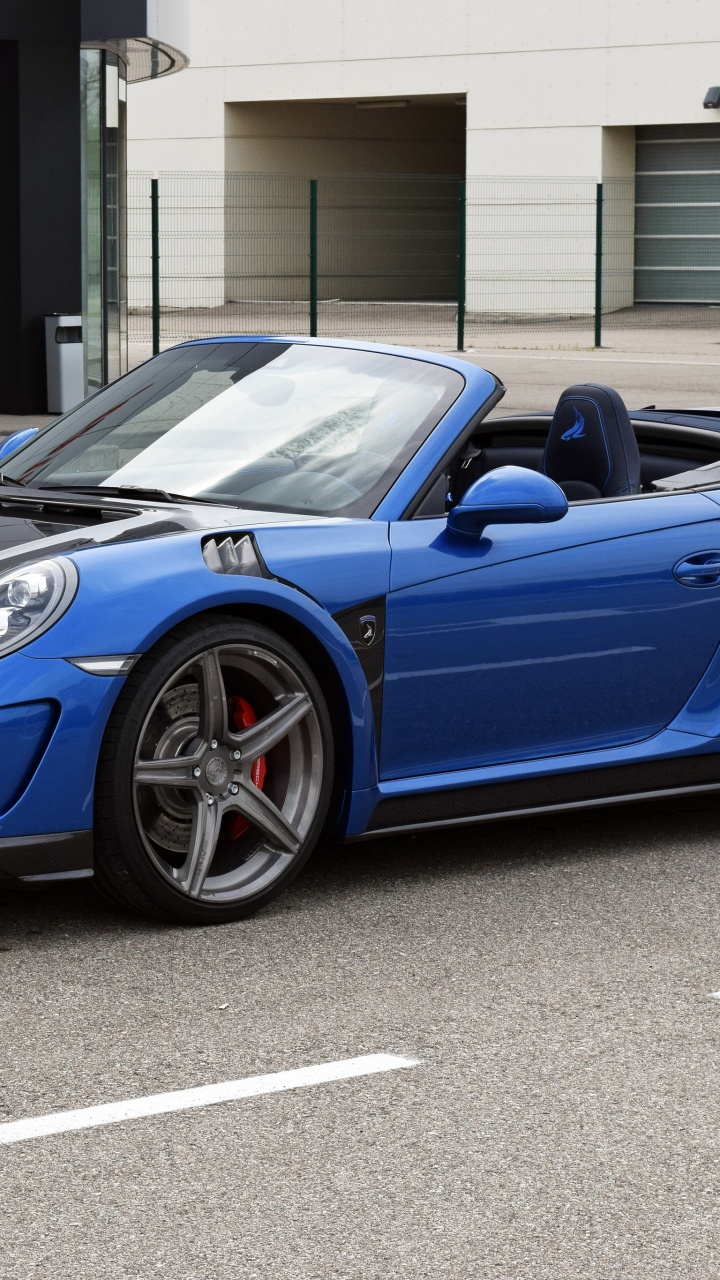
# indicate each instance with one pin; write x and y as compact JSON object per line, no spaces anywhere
{"x":103,"y":88}
{"x":115,"y":218}
{"x":91,"y":88}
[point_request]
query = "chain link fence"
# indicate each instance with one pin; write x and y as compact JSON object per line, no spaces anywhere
{"x":418,"y":259}
{"x":235,"y":249}
{"x":530,"y":254}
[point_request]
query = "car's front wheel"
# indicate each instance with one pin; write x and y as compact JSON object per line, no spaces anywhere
{"x":215,"y":776}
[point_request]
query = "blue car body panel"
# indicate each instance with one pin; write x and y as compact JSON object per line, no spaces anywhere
{"x":423,"y":551}
{"x":548,"y":652}
{"x":539,"y":650}
{"x":157,"y":594}
{"x":25,"y":731}
{"x":59,"y":794}
{"x":135,"y":597}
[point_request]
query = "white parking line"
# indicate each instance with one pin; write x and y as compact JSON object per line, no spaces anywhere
{"x":205,"y":1096}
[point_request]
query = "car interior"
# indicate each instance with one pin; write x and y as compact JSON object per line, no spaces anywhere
{"x":593,"y":448}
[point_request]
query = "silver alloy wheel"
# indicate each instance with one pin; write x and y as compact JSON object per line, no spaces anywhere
{"x":193,"y":774}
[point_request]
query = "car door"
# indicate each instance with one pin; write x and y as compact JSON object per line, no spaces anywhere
{"x":542,"y":640}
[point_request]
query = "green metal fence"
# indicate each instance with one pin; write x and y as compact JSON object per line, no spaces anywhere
{"x":340,"y":256}
{"x":417,"y":259}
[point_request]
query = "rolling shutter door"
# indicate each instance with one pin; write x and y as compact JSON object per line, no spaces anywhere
{"x":677,"y":214}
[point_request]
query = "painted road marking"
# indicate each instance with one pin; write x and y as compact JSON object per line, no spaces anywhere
{"x":507,"y":354}
{"x":205,"y":1096}
{"x":714,"y":995}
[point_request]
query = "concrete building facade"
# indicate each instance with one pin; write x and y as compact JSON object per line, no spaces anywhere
{"x":610,"y":92}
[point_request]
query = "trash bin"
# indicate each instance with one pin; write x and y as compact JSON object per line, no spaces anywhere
{"x":64,"y":360}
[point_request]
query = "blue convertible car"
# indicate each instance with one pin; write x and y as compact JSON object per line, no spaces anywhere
{"x":261,"y":588}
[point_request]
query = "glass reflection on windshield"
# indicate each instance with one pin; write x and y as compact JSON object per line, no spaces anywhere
{"x":291,"y":427}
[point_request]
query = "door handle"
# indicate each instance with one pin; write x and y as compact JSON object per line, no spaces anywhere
{"x":699,"y":570}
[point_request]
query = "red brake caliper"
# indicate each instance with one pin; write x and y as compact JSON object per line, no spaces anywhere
{"x":242,"y":716}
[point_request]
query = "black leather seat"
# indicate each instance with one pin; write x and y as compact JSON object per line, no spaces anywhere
{"x":591,"y":451}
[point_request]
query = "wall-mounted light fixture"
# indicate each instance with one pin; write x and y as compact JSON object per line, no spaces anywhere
{"x":712,"y":97}
{"x":374,"y":104}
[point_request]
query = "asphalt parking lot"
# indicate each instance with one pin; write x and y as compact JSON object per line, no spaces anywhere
{"x":554,"y":979}
{"x":556,"y":982}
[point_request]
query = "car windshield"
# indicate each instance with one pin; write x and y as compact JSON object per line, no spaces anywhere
{"x":278,"y":425}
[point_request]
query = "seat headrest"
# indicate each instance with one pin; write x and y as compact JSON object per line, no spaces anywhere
{"x":591,"y":449}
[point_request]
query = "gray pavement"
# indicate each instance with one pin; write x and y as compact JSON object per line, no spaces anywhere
{"x":554,"y":977}
{"x":669,"y":368}
{"x":534,"y":380}
{"x":672,"y":368}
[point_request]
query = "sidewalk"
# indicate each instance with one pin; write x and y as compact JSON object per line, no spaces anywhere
{"x":675,"y":367}
{"x":686,"y":341}
{"x":667,"y":368}
{"x":671,"y":368}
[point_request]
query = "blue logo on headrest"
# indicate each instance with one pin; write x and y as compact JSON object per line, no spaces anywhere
{"x":577,"y":430}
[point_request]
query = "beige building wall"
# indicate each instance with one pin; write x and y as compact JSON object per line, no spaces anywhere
{"x":553,"y":91}
{"x":316,"y":138}
{"x":541,"y":80}
{"x":376,"y":232}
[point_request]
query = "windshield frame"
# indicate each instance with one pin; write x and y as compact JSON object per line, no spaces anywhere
{"x":36,"y":462}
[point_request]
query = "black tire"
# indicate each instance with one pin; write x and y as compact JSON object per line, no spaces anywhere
{"x":198,"y":818}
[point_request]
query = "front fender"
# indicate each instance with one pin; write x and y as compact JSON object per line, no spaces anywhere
{"x":131,"y":594}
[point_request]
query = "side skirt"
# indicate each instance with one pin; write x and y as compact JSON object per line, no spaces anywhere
{"x":602,"y":803}
{"x":48,"y":856}
{"x":587,"y":788}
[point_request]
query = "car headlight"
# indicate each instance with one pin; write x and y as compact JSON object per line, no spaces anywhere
{"x":32,"y":599}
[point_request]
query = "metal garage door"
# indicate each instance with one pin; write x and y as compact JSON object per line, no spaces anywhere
{"x":677,"y":214}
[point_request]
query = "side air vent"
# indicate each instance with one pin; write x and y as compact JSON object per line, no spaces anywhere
{"x":234,"y":554}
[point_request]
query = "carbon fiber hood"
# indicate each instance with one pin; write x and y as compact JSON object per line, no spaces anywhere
{"x":61,"y":524}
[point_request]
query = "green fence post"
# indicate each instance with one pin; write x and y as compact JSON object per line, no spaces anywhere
{"x":598,"y":263}
{"x":313,"y":256}
{"x":462,"y":262}
{"x":155,"y":254}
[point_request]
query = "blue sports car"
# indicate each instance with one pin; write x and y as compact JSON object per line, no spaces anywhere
{"x":262,"y":588}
